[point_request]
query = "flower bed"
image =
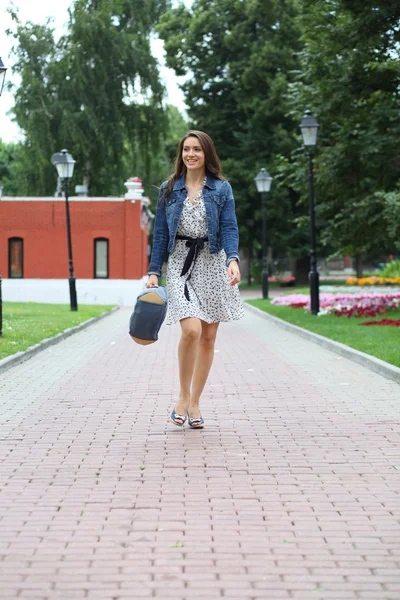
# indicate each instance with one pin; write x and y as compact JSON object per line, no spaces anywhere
{"x":357,"y":305}
{"x":393,"y":322}
{"x":373,"y":281}
{"x":293,"y":300}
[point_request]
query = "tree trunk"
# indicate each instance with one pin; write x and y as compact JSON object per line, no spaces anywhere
{"x":86,"y":175}
{"x":359,"y":267}
{"x":300,"y":267}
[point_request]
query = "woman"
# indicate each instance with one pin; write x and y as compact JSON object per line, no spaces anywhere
{"x":196,"y":224}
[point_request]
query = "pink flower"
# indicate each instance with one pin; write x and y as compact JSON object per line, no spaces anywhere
{"x":358,"y":305}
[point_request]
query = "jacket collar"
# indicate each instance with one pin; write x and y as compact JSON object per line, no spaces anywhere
{"x":180,"y":183}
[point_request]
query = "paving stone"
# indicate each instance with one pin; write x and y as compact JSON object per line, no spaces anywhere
{"x":290,"y":491}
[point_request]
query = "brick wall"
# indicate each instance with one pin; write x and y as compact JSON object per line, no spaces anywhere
{"x":41,"y":223}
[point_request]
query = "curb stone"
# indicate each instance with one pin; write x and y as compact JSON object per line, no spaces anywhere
{"x":15,"y":359}
{"x":370,"y":362}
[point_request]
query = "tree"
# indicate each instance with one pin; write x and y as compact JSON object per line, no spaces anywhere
{"x":96,"y":91}
{"x":350,"y":78}
{"x":12,"y":175}
{"x":239,"y":58}
{"x":162,"y":161}
{"x":35,"y":110}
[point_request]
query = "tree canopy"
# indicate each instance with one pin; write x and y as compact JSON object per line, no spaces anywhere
{"x":349,"y":75}
{"x":96,"y":91}
{"x":251,"y":70}
{"x":254,"y":67}
{"x":239,"y":58}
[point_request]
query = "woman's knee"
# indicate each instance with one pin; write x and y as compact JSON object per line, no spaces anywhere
{"x":191,"y":333}
{"x":207,"y":341}
{"x":208,"y":337}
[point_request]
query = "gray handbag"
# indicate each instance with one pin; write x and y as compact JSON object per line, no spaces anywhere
{"x":148,"y":315}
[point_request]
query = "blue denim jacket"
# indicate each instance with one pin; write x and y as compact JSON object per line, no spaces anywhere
{"x":221,"y":221}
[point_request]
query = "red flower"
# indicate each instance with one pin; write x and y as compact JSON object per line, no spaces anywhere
{"x":394,"y":322}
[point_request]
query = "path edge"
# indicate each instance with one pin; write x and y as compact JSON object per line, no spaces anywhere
{"x":366,"y":360}
{"x":19,"y":357}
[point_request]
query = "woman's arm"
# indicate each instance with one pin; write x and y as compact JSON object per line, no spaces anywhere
{"x":228,"y":227}
{"x":160,"y":238}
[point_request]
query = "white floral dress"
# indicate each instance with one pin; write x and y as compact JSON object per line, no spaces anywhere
{"x":212,"y":299}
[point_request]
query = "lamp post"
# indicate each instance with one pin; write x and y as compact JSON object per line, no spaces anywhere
{"x":263,"y":183}
{"x":250,"y":225}
{"x":3,"y":70}
{"x":64,"y":164}
{"x":309,"y":131}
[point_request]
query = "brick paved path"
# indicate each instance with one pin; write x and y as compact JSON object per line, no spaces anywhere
{"x":290,"y":492}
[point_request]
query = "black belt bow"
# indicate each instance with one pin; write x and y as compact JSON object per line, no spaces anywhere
{"x":194,"y":245}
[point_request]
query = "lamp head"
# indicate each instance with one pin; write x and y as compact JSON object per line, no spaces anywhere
{"x":309,"y":129}
{"x":263,"y":181}
{"x":64,"y":164}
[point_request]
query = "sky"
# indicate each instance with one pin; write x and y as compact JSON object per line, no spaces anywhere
{"x":37,"y":11}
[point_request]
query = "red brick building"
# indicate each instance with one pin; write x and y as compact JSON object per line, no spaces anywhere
{"x":109,"y":236}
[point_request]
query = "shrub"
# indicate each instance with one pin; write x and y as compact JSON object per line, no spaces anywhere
{"x":392,"y":269}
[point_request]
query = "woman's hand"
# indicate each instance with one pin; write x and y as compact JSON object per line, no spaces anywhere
{"x":233,"y":272}
{"x":152,"y":281}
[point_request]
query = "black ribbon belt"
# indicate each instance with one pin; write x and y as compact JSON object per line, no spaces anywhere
{"x":194,"y":245}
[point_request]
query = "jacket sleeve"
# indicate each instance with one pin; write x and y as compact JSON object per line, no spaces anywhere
{"x":160,"y":238}
{"x":228,"y":226}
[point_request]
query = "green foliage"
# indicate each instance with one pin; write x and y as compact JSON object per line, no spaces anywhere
{"x":162,"y":161}
{"x":350,"y":77}
{"x":35,"y":107}
{"x":392,"y":269}
{"x":96,"y":92}
{"x":12,"y":174}
{"x":251,"y":69}
{"x":238,"y":58}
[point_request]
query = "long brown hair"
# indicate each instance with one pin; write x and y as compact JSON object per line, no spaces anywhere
{"x":212,"y":163}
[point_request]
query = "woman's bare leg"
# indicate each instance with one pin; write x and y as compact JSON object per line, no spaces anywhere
{"x":204,"y":359}
{"x":187,"y":352}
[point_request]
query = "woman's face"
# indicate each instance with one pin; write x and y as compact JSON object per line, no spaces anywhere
{"x":193,"y":155}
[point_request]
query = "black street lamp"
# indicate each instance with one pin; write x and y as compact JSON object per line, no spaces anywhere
{"x":309,"y":130}
{"x":250,"y":225}
{"x":64,"y":164}
{"x":263,"y":183}
{"x":3,"y":70}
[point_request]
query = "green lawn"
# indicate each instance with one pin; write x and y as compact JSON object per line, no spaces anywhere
{"x":295,"y":290}
{"x":382,"y":342}
{"x":27,"y":323}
